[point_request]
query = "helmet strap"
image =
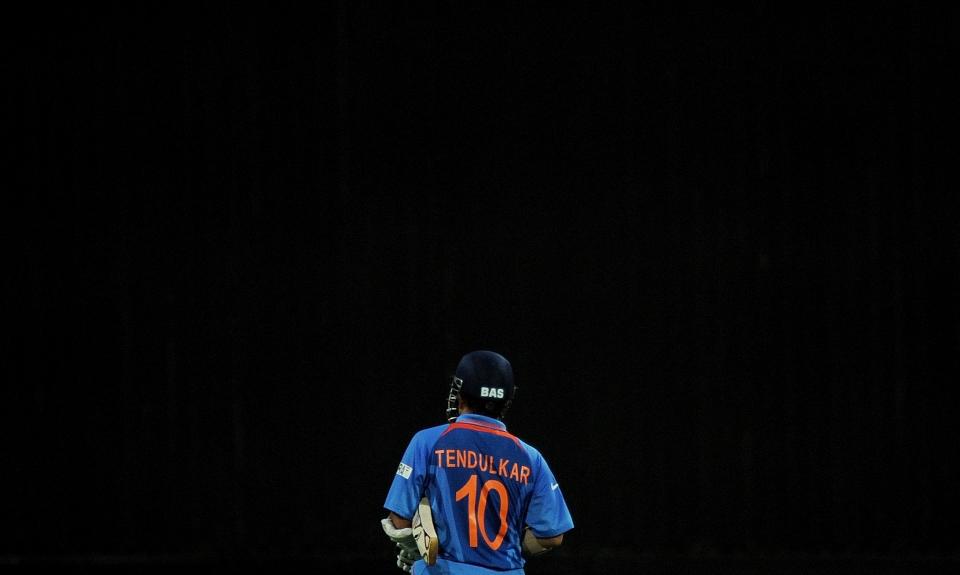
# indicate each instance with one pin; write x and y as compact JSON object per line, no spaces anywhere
{"x":453,"y":399}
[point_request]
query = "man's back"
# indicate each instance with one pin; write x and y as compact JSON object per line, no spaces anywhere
{"x":491,"y":496}
{"x":484,"y":486}
{"x":480,"y":488}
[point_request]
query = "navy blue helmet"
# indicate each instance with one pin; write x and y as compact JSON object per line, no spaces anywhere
{"x":483,"y":375}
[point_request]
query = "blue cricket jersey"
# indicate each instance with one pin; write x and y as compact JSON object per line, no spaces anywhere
{"x":484,"y":486}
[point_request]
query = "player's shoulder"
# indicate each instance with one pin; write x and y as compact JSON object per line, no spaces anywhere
{"x":429,"y":434}
{"x":532,"y":451}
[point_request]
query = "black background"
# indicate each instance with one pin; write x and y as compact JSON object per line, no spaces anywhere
{"x":250,"y":245}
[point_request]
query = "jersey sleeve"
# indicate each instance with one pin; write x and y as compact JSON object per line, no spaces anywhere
{"x":548,"y":515}
{"x":408,"y":481}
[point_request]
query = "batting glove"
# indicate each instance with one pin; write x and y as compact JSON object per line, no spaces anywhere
{"x":406,"y":559}
{"x":409,"y":553}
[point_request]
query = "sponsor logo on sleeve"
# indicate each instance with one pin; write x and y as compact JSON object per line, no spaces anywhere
{"x":404,"y":470}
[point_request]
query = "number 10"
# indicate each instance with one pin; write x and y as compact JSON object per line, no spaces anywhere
{"x":477,"y":509}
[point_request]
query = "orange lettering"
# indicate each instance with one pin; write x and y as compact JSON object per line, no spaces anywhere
{"x":461,"y":458}
{"x":451,"y":461}
{"x":513,"y":473}
{"x":524,"y":473}
{"x":503,"y":466}
{"x":471,"y":459}
{"x":439,"y":453}
{"x":476,"y":516}
{"x":493,"y":485}
{"x":469,"y":490}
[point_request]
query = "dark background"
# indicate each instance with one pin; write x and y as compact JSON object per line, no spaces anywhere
{"x":250,"y":245}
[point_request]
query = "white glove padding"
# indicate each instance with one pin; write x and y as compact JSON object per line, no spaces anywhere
{"x":409,"y":553}
{"x":402,"y":537}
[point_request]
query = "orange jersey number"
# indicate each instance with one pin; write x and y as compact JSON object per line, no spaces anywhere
{"x":476,"y":510}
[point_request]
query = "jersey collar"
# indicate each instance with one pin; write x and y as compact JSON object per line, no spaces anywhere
{"x":482,"y":420}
